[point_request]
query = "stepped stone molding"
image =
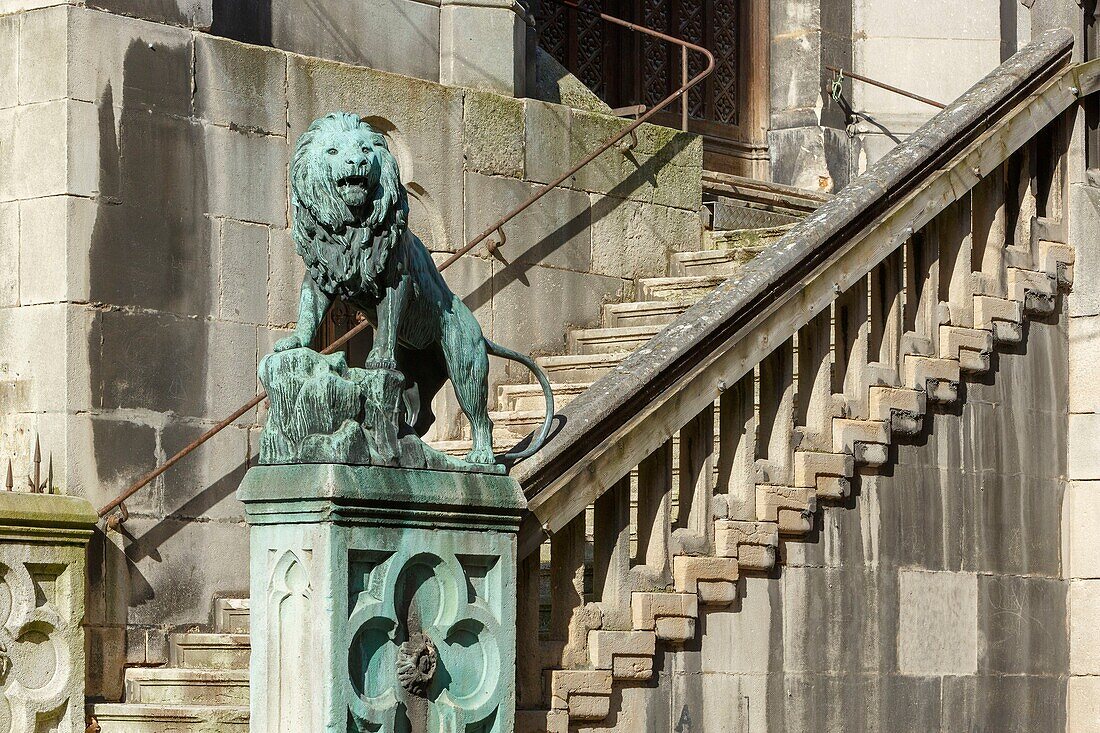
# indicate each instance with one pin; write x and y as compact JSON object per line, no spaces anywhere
{"x":382,"y":599}
{"x":42,"y":570}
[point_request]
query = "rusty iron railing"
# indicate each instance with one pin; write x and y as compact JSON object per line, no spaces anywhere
{"x":497,"y":227}
{"x":841,"y":73}
{"x":35,"y":484}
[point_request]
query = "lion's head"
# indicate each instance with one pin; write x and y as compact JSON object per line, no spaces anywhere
{"x":342,"y":178}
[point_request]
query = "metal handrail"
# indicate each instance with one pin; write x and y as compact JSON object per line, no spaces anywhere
{"x":841,"y":73}
{"x":118,"y":502}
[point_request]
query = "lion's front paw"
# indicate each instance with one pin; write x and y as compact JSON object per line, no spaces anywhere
{"x":290,"y":342}
{"x":481,"y":456}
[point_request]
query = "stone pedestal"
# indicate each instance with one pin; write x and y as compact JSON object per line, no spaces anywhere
{"x":42,"y":570}
{"x":383,"y":599}
{"x":483,"y":45}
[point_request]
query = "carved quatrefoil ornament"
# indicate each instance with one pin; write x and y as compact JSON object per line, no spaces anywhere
{"x":416,"y":663}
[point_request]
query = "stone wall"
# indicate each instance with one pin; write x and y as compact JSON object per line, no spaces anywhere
{"x":933,"y":600}
{"x":143,"y":201}
{"x":474,"y":43}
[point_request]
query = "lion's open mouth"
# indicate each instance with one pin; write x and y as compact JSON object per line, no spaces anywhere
{"x":357,"y":181}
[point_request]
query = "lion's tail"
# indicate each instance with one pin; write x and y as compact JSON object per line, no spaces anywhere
{"x":540,"y":439}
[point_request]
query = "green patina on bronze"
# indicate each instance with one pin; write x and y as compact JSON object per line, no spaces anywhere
{"x":351,"y":228}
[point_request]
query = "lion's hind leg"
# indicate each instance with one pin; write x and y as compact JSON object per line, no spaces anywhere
{"x":468,"y":366}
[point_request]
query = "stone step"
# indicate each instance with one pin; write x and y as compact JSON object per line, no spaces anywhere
{"x":127,"y":718}
{"x":503,"y":440}
{"x":529,"y":396}
{"x":724,"y":262}
{"x":579,"y":367}
{"x":209,"y":651}
{"x":678,"y":289}
{"x":231,"y":615}
{"x":642,"y":313}
{"x":610,"y":340}
{"x":171,"y":686}
{"x":747,"y":242}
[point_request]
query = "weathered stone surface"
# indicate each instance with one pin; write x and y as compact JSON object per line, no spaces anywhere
{"x":631,"y":239}
{"x":937,"y":623}
{"x":1018,"y":704}
{"x":43,"y":40}
{"x":401,"y":36}
{"x":285,"y":270}
{"x":1084,"y":632}
{"x":1082,"y":516}
{"x":129,"y":62}
{"x":1012,"y":642}
{"x":483,"y":45}
{"x":494,"y":134}
{"x":53,"y":234}
{"x":815,"y":158}
{"x":1084,"y":446}
{"x":233,"y":157}
{"x":240,"y":86}
{"x":9,"y":73}
{"x":188,"y":13}
{"x":556,"y":232}
{"x":1083,"y":704}
{"x":1084,"y":364}
{"x":9,"y":253}
{"x":242,"y":287}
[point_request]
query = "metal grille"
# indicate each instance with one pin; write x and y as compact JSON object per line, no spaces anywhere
{"x":644,"y":71}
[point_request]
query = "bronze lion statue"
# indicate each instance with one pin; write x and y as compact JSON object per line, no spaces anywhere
{"x":350,"y":226}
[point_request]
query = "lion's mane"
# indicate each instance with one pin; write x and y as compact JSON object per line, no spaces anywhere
{"x":346,"y":254}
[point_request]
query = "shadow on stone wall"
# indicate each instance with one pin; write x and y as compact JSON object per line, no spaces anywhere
{"x":248,"y":21}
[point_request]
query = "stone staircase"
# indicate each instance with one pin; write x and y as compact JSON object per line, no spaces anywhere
{"x":592,"y":352}
{"x":204,"y":686}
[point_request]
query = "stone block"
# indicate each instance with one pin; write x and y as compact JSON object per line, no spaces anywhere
{"x":1084,"y":236}
{"x":574,"y":299}
{"x":43,"y":69}
{"x":39,"y":373}
{"x":739,"y":642}
{"x":247,"y":176}
{"x":937,"y":623}
{"x":1015,"y":630}
{"x":203,"y":486}
{"x":34,"y":163}
{"x":9,"y":72}
{"x":1005,"y":703}
{"x":410,"y":44}
{"x":1084,"y":629}
{"x":555,"y":231}
{"x":42,"y":553}
{"x":549,"y":149}
{"x":220,"y":358}
{"x":713,"y":702}
{"x":285,"y":270}
{"x":941,"y":69}
{"x":127,"y":62}
{"x":9,"y":253}
{"x":54,"y":235}
{"x":422,"y":122}
{"x":1081,"y":518}
{"x":1083,"y":457}
{"x":237,"y":85}
{"x":213,"y":553}
{"x":494,"y":134}
{"x":1083,"y":705}
{"x":483,"y":46}
{"x":809,"y":157}
{"x":187,"y":13}
{"x":240,"y":253}
{"x":628,"y":654}
{"x":632,"y":239}
{"x":1084,"y":364}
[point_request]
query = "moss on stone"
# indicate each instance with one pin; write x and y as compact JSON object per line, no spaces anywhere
{"x":494,"y":134}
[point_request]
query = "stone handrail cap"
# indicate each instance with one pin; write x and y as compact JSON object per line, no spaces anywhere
{"x":46,"y":510}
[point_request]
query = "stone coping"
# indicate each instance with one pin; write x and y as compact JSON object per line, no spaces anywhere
{"x":650,"y":373}
{"x":329,"y":491}
{"x":19,"y":509}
